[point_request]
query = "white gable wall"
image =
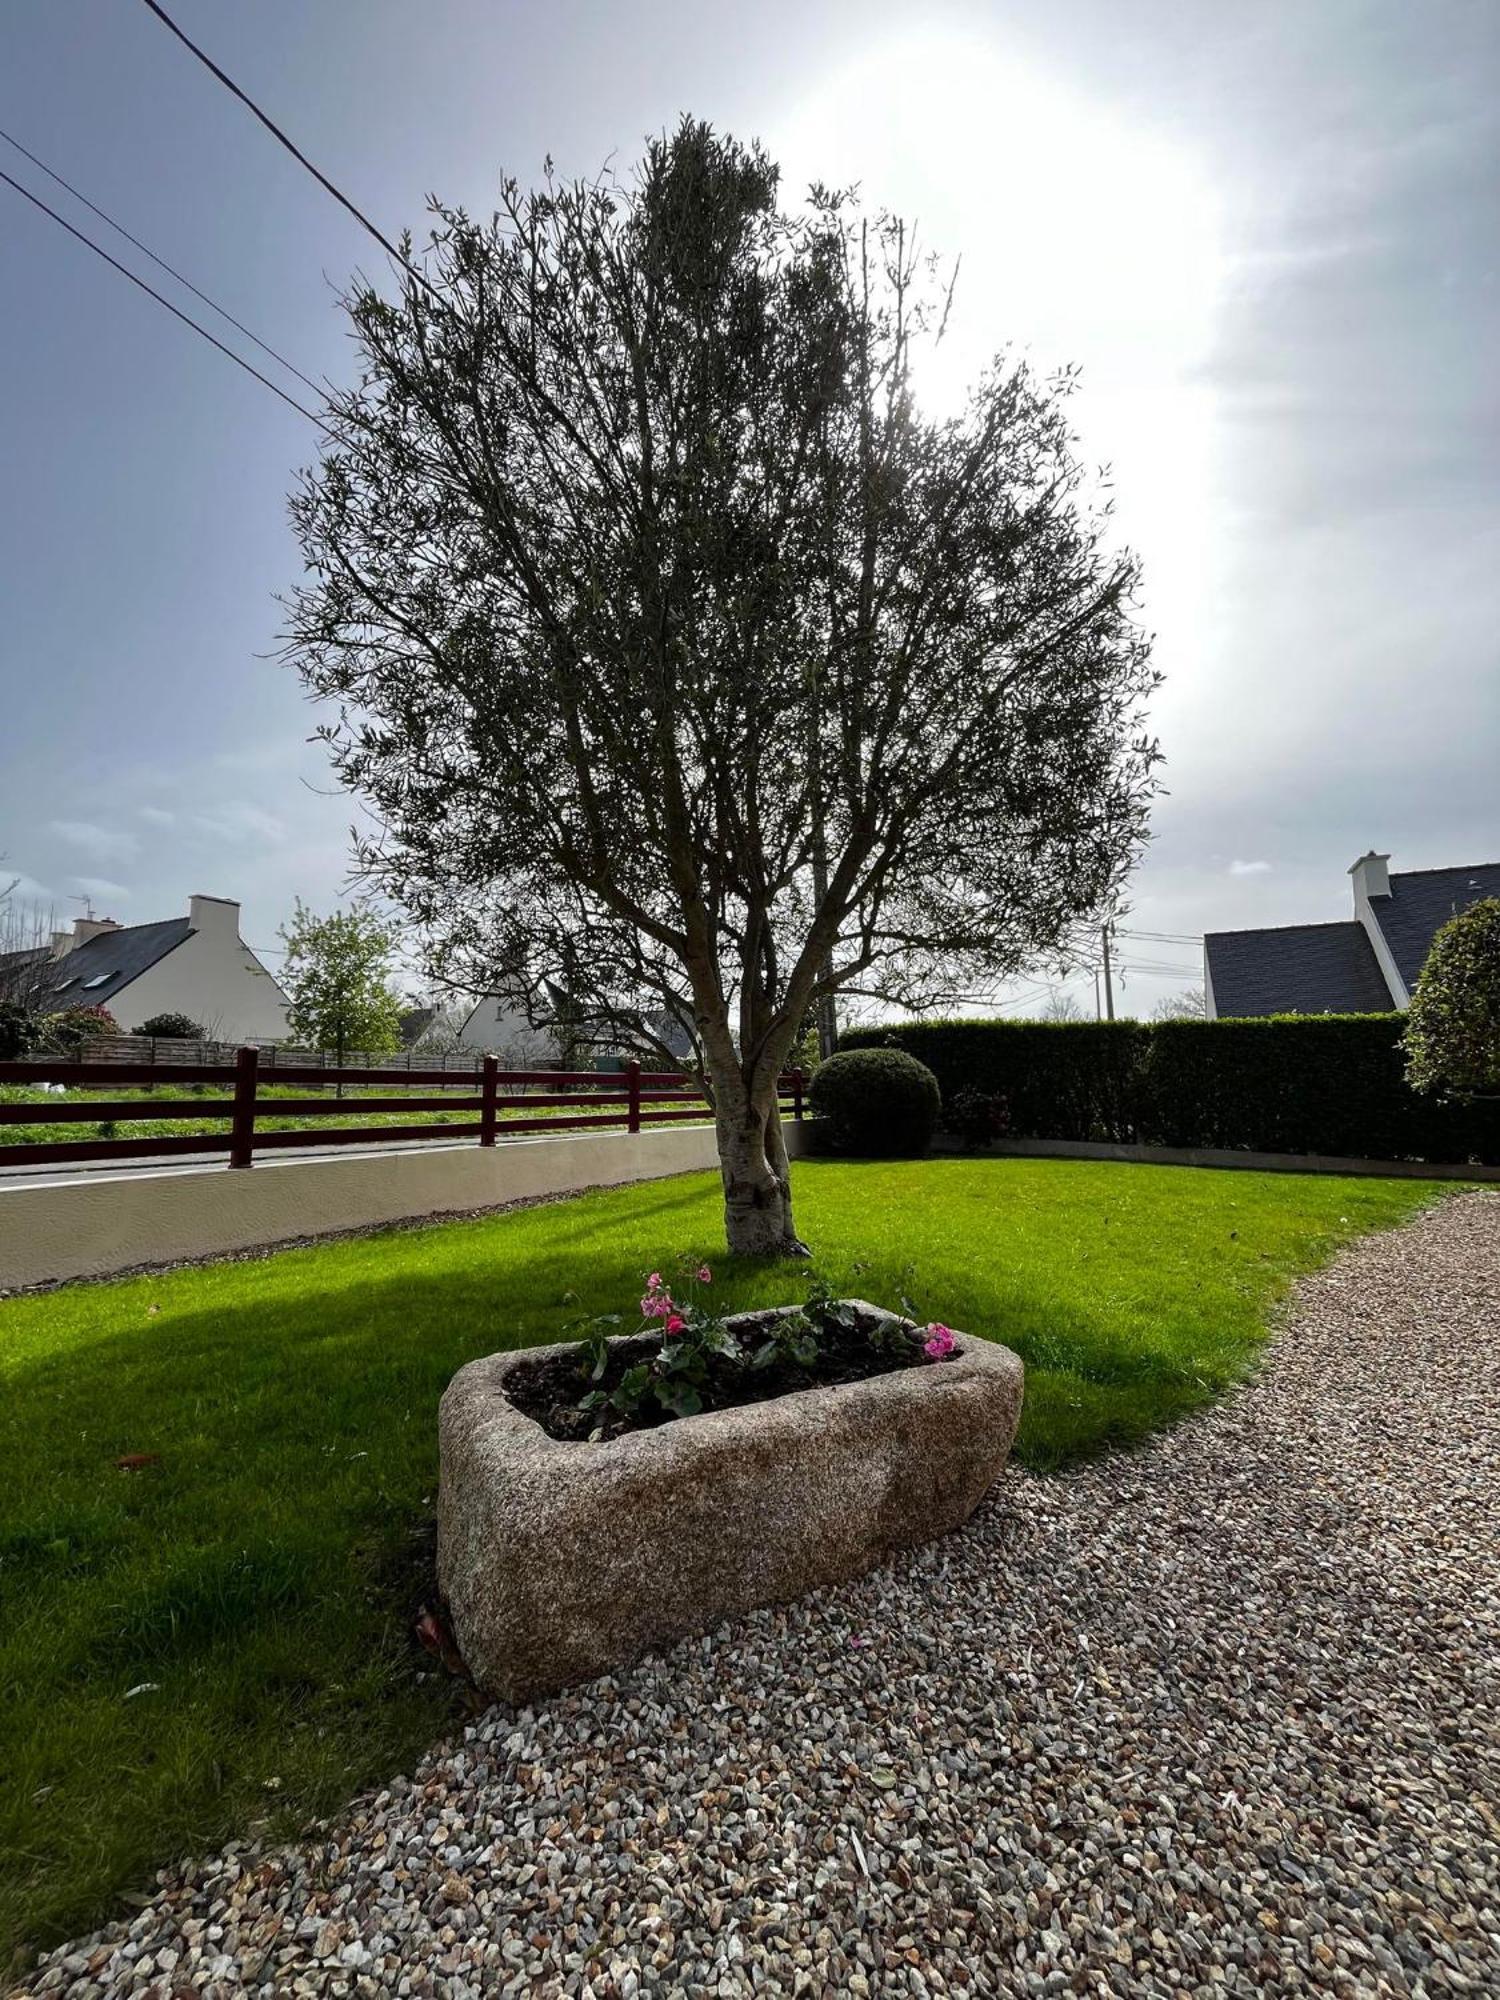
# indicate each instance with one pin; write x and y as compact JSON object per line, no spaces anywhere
{"x":213,"y":977}
{"x":499,"y":1028}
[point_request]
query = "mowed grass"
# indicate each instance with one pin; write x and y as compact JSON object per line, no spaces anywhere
{"x":220,"y":1640}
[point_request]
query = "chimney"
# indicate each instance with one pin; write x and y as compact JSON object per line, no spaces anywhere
{"x":1372,"y":877}
{"x":85,"y":928}
{"x":214,"y":913}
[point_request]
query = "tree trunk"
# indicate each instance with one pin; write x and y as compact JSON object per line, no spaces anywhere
{"x":757,"y":1183}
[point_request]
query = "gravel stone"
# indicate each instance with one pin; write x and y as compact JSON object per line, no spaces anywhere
{"x":1216,"y":1717}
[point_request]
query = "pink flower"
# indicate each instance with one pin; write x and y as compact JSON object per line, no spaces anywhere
{"x":653,"y":1283}
{"x":656,"y":1305}
{"x":705,"y":1276}
{"x":675,"y":1323}
{"x":939,"y":1342}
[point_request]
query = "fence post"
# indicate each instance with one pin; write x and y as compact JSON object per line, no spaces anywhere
{"x":489,"y":1107}
{"x":242,"y":1119}
{"x":633,"y":1108}
{"x":799,"y":1079}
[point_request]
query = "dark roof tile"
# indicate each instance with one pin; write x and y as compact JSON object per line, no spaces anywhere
{"x":1421,"y":902}
{"x":94,"y":972}
{"x":1298,"y":969}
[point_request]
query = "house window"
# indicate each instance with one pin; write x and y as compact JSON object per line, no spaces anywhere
{"x":99,"y":979}
{"x":500,"y":1011}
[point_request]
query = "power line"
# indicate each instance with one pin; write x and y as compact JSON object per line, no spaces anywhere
{"x":176,"y":311}
{"x":297,"y":154}
{"x":146,"y":250}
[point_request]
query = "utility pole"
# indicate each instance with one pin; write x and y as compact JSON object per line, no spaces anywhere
{"x":1109,"y":991}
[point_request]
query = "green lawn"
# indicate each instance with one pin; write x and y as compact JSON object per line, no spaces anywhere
{"x":222,"y":1638}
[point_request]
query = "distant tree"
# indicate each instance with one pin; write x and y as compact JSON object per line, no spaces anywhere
{"x":21,"y":1031}
{"x":172,"y":1028}
{"x":1191,"y":1004}
{"x":1062,"y":1006}
{"x":67,"y":1030}
{"x":28,"y":970}
{"x":1452,"y":1028}
{"x":663,"y":627}
{"x":337,"y":979}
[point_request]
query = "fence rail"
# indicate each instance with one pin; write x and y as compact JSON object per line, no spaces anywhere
{"x":504,"y":1103}
{"x":175,"y":1053}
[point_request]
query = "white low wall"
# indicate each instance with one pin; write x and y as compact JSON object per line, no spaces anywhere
{"x":1216,"y":1156}
{"x":88,"y":1225}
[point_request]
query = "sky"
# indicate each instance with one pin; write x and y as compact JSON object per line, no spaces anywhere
{"x":1267,"y":236}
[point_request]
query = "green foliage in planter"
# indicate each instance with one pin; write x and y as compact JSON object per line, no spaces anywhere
{"x":875,"y":1104}
{"x":172,"y":1028}
{"x":1453,"y":1029}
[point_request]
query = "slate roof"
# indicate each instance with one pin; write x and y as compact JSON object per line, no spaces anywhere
{"x":1297,"y":969}
{"x":93,"y":972}
{"x":1421,"y":902}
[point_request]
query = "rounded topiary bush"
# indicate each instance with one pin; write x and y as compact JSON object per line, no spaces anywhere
{"x":172,"y":1028}
{"x":1452,"y":1030}
{"x":879,"y":1102}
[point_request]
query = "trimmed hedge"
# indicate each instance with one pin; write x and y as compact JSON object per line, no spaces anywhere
{"x":1326,"y":1083}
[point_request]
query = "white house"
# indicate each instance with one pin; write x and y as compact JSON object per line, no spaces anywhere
{"x":498,"y":1025}
{"x":197,"y":965}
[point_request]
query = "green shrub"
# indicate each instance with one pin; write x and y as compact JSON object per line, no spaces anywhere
{"x":1057,"y":1079}
{"x":21,"y":1031}
{"x":172,"y":1028}
{"x":68,"y":1030}
{"x":1453,"y":1029}
{"x":1325,"y":1083}
{"x":874,"y":1103}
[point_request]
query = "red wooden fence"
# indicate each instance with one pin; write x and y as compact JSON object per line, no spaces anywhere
{"x":625,"y":1099}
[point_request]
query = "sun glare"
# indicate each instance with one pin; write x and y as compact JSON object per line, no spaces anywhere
{"x":1084,"y":240}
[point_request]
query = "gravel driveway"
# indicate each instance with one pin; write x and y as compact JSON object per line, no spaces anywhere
{"x":1215,"y":1717}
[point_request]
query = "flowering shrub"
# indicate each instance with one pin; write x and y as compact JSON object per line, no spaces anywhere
{"x":68,"y":1030}
{"x":701,"y":1361}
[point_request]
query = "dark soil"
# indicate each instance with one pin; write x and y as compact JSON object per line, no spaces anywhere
{"x":549,"y":1391}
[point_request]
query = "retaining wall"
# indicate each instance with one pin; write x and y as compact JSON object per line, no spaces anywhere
{"x":88,"y":1225}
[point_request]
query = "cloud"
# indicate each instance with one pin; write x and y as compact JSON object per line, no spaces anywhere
{"x":240,"y":823}
{"x":1249,"y":867}
{"x":99,"y":885}
{"x":157,"y":816}
{"x":103,"y":842}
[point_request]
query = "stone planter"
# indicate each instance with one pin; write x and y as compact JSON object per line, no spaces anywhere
{"x":561,"y":1561}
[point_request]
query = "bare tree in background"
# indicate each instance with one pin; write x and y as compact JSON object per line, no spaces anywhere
{"x":682,"y":660}
{"x":1061,"y":1006}
{"x":28,"y":971}
{"x":1191,"y":1004}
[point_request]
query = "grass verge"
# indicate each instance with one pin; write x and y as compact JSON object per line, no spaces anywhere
{"x":219,"y":1639}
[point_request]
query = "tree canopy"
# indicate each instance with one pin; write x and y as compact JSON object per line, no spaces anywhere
{"x":681,"y":659}
{"x":337,"y":981}
{"x":1453,"y":1025}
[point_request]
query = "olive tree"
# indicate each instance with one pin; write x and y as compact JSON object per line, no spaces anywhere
{"x":681,"y":659}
